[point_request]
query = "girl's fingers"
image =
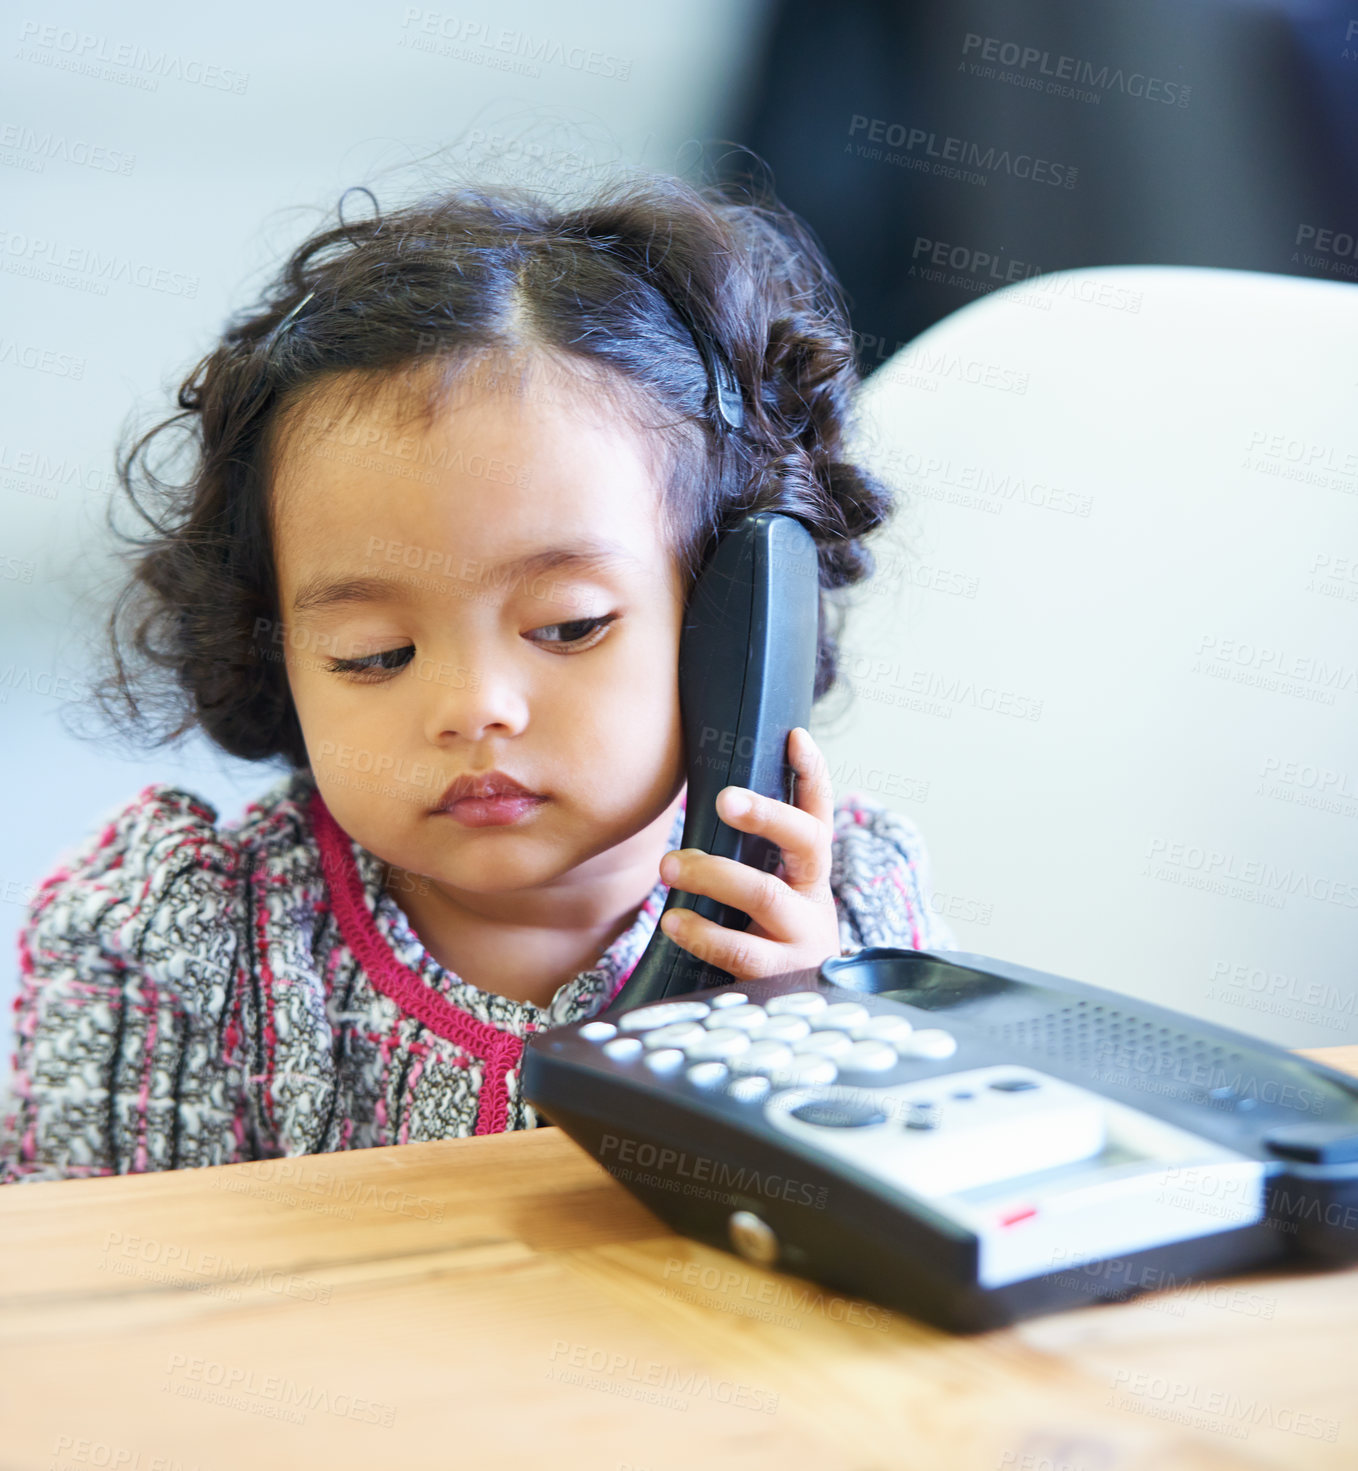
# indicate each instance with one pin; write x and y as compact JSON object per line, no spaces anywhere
{"x":812,"y":792}
{"x":803,"y":832}
{"x":767,"y":899}
{"x":738,"y":953}
{"x":793,"y":919}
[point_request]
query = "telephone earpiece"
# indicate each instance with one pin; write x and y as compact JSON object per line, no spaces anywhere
{"x":747,"y":670}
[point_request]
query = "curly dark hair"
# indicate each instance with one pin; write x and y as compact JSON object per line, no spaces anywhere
{"x":620,"y":287}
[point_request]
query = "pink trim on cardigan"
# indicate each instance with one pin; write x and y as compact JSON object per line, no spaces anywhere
{"x":498,"y":1050}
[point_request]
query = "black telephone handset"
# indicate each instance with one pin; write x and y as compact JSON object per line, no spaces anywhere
{"x":747,"y":670}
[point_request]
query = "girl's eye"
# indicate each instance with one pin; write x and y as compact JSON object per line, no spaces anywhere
{"x":373,"y":667}
{"x":389,"y":659}
{"x":589,"y":626}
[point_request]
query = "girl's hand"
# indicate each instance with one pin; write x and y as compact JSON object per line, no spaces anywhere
{"x":793,"y":922}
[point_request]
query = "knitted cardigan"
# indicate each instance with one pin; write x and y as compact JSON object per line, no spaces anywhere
{"x":195,"y":995}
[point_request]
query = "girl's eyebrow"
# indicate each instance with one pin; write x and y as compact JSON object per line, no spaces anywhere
{"x":582,"y":558}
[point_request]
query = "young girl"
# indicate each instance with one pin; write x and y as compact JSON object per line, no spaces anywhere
{"x":452,"y":480}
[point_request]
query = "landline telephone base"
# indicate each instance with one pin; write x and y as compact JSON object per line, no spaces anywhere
{"x":962,"y":1139}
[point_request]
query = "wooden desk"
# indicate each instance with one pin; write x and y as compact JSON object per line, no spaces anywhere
{"x":503,"y":1302}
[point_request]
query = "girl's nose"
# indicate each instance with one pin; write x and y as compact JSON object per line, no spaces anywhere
{"x":469,"y":700}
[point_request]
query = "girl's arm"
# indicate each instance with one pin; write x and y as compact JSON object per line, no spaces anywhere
{"x":881,"y":880}
{"x":121,"y":1062}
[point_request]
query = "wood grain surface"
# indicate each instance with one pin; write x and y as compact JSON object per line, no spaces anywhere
{"x":503,"y":1301}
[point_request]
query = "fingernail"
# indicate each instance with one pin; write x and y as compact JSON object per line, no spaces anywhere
{"x":737,"y":804}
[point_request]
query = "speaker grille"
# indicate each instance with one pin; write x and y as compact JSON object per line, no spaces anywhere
{"x":1091,"y":1034}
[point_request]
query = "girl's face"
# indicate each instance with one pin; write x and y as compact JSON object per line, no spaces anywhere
{"x":396,"y":550}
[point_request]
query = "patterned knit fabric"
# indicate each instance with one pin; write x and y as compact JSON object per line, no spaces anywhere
{"x":199,"y":995}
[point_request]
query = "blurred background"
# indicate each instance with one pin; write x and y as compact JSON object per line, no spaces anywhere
{"x":158,"y":169}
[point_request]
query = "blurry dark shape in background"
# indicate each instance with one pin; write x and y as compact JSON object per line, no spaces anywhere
{"x":942,"y":150}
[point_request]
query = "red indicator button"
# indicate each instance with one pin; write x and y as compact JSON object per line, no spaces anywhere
{"x":1019,"y":1213}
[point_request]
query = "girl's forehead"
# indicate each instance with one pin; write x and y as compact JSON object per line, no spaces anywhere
{"x":474,"y":442}
{"x":481,"y":432}
{"x":489,"y":473}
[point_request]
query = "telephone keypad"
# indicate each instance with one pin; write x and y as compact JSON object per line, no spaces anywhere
{"x":796,"y":1039}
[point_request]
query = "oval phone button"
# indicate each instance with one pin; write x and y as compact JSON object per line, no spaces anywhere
{"x":748,"y":1018}
{"x":784,"y":1029}
{"x":718,"y":1042}
{"x":664,"y":1060}
{"x":869,"y":1057}
{"x":823,"y":1044}
{"x":662,"y":1013}
{"x":844,"y":1014}
{"x":838,"y":1113}
{"x":929,"y":1042}
{"x":673,"y":1034}
{"x":761,"y":1055}
{"x":796,"y":1003}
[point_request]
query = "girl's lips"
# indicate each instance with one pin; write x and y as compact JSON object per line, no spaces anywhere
{"x":492,"y":811}
{"x":483,"y":785}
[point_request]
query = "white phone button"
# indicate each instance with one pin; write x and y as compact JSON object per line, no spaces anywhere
{"x":842,"y":1014}
{"x":784,"y":1029}
{"x":598,"y":1031}
{"x":665,"y":1060}
{"x":928,"y":1042}
{"x":662,"y":1013}
{"x":730,"y":998}
{"x":749,"y":1090}
{"x":761,"y":1055}
{"x":885,"y":1026}
{"x":823,"y":1044}
{"x":799,"y":1003}
{"x":718,"y":1042}
{"x":747,"y":1018}
{"x":707,"y":1074}
{"x":623,"y":1049}
{"x":869,"y":1057}
{"x":676,"y":1034}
